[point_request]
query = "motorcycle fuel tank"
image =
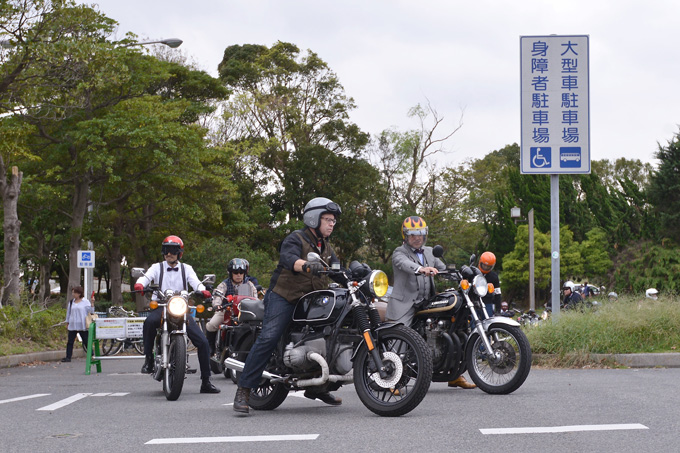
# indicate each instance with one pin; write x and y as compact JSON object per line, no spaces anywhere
{"x":320,"y":307}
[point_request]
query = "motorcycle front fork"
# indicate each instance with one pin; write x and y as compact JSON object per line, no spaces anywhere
{"x":477,"y":325}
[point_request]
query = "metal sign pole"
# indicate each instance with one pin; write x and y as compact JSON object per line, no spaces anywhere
{"x":555,"y":245}
{"x":532,"y":295}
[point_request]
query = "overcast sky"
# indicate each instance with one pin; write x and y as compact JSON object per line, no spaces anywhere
{"x":461,"y":55}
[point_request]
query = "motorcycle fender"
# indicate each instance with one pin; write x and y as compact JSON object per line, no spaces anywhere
{"x":383,"y":326}
{"x":498,"y":320}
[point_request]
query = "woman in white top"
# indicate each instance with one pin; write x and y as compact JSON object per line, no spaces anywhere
{"x":76,"y":315}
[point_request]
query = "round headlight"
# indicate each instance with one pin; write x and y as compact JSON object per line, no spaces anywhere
{"x":177,"y":306}
{"x":378,"y":283}
{"x":480,"y":286}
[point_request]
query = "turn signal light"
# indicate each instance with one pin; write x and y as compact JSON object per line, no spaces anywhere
{"x":491,"y":288}
{"x":153,"y":304}
{"x":465,"y":285}
{"x":200,"y":308}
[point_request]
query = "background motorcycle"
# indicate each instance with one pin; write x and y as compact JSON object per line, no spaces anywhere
{"x":337,"y":337}
{"x":171,"y":360}
{"x":462,"y":336}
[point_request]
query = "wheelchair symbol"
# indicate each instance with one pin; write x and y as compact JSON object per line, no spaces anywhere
{"x":540,"y":157}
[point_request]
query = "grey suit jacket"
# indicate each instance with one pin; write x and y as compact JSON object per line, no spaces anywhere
{"x":406,"y":282}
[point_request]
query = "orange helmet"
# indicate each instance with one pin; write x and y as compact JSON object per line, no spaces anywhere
{"x":173,"y":244}
{"x":413,"y":225}
{"x":486,"y":262}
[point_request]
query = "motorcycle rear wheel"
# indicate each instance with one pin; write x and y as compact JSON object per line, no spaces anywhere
{"x":506,"y":374}
{"x":268,"y":396}
{"x":402,"y":391}
{"x":173,"y":377}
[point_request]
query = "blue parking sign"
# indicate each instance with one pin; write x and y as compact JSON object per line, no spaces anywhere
{"x":86,"y":258}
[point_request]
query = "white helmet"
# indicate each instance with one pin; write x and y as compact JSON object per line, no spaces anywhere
{"x":569,"y":285}
{"x":652,"y":293}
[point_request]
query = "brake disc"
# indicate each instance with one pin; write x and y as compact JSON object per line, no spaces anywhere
{"x":395,"y":376}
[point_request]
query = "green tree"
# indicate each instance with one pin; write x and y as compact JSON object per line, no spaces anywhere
{"x":664,"y":189}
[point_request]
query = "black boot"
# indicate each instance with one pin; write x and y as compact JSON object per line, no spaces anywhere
{"x":147,"y":368}
{"x":241,"y":400}
{"x":211,"y":336}
{"x":207,"y":387}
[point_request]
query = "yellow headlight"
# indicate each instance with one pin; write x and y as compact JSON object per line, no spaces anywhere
{"x":378,"y":283}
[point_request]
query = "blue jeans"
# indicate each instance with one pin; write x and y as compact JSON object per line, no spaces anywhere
{"x":278,"y":313}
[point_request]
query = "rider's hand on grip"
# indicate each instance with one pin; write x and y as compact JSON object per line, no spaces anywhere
{"x":139,"y":287}
{"x":206,"y":294}
{"x":313,"y":268}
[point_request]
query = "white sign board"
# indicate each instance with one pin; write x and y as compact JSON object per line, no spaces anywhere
{"x":86,"y":258}
{"x":110,"y":328}
{"x":555,"y":102}
{"x":134,"y":327}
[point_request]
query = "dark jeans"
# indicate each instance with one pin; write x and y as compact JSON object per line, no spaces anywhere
{"x":72,"y":338}
{"x":278,"y":313}
{"x":153,"y":322}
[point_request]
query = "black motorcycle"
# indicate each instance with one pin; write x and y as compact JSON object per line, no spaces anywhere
{"x":337,"y":337}
{"x":462,"y":336}
{"x":171,"y":359}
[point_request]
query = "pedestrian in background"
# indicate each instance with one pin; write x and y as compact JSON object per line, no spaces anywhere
{"x":76,"y":319}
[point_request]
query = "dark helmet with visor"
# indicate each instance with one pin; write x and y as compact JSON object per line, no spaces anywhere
{"x":174,"y":245}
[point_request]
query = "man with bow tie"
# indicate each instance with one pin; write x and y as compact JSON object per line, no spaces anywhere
{"x":414,"y":267}
{"x":171,"y":274}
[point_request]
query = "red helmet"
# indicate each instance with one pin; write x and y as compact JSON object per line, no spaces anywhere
{"x":486,"y":262}
{"x":173,"y":244}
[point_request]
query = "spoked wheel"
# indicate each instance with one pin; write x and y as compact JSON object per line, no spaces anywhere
{"x":110,"y":346}
{"x":268,"y":396}
{"x":409,"y":364}
{"x":139,"y":346}
{"x":507,"y":368}
{"x":173,"y":378}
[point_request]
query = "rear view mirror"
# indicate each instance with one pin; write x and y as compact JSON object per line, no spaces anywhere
{"x":136,"y":272}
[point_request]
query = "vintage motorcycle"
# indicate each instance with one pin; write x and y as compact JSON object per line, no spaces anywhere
{"x":171,"y":359}
{"x":337,"y":337}
{"x":235,"y":338}
{"x":462,"y":336}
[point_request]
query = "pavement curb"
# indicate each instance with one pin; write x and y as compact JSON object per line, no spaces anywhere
{"x":641,"y":360}
{"x":45,"y":356}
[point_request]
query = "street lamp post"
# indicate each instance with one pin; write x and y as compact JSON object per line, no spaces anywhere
{"x":170,"y":42}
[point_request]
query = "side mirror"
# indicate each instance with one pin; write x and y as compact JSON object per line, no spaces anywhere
{"x":313,"y":257}
{"x":209,"y":279}
{"x":136,"y":272}
{"x":473,"y":258}
{"x":438,"y":251}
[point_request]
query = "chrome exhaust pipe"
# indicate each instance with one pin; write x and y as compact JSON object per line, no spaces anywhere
{"x":237,"y":365}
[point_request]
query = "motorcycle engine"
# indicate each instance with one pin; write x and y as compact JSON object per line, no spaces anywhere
{"x":435,"y":342}
{"x":343,"y":362}
{"x":296,"y":357}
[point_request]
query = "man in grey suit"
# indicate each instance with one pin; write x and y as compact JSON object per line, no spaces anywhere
{"x":414,"y":267}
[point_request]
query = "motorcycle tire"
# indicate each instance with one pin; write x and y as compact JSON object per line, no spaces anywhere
{"x":268,"y":396}
{"x":242,"y":355}
{"x":406,"y":354}
{"x":173,"y":377}
{"x":506,"y":374}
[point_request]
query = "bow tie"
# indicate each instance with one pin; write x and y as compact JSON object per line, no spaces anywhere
{"x":418,"y":251}
{"x":175,"y":269}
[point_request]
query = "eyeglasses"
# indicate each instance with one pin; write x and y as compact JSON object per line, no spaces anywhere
{"x":238,"y":271}
{"x":330,"y":220}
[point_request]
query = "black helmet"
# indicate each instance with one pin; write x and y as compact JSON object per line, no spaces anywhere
{"x":237,"y":264}
{"x":316,"y":208}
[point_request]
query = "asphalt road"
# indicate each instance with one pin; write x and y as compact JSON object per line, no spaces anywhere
{"x":56,"y":407}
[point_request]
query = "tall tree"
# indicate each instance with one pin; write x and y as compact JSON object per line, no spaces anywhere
{"x":664,"y":189}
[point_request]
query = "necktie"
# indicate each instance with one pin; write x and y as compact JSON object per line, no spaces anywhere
{"x":419,"y":251}
{"x":173,"y":269}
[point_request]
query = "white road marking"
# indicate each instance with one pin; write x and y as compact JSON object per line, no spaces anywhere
{"x":64,"y":402}
{"x":562,"y":429}
{"x":297,"y":394}
{"x":208,"y":440}
{"x":28,"y":397}
{"x":100,"y":394}
{"x":120,"y":394}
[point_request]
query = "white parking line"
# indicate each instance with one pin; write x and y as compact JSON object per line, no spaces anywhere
{"x":28,"y":397}
{"x":64,"y":402}
{"x":562,"y":429}
{"x":209,"y":440}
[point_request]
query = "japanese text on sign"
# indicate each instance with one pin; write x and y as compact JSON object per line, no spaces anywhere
{"x":555,"y":104}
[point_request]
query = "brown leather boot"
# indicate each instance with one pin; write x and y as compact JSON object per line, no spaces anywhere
{"x":462,"y":383}
{"x":241,"y":400}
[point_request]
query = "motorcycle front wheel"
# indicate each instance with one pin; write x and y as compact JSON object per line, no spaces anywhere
{"x":409,"y":363}
{"x":505,"y":371}
{"x":268,"y":396}
{"x":173,"y":378}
